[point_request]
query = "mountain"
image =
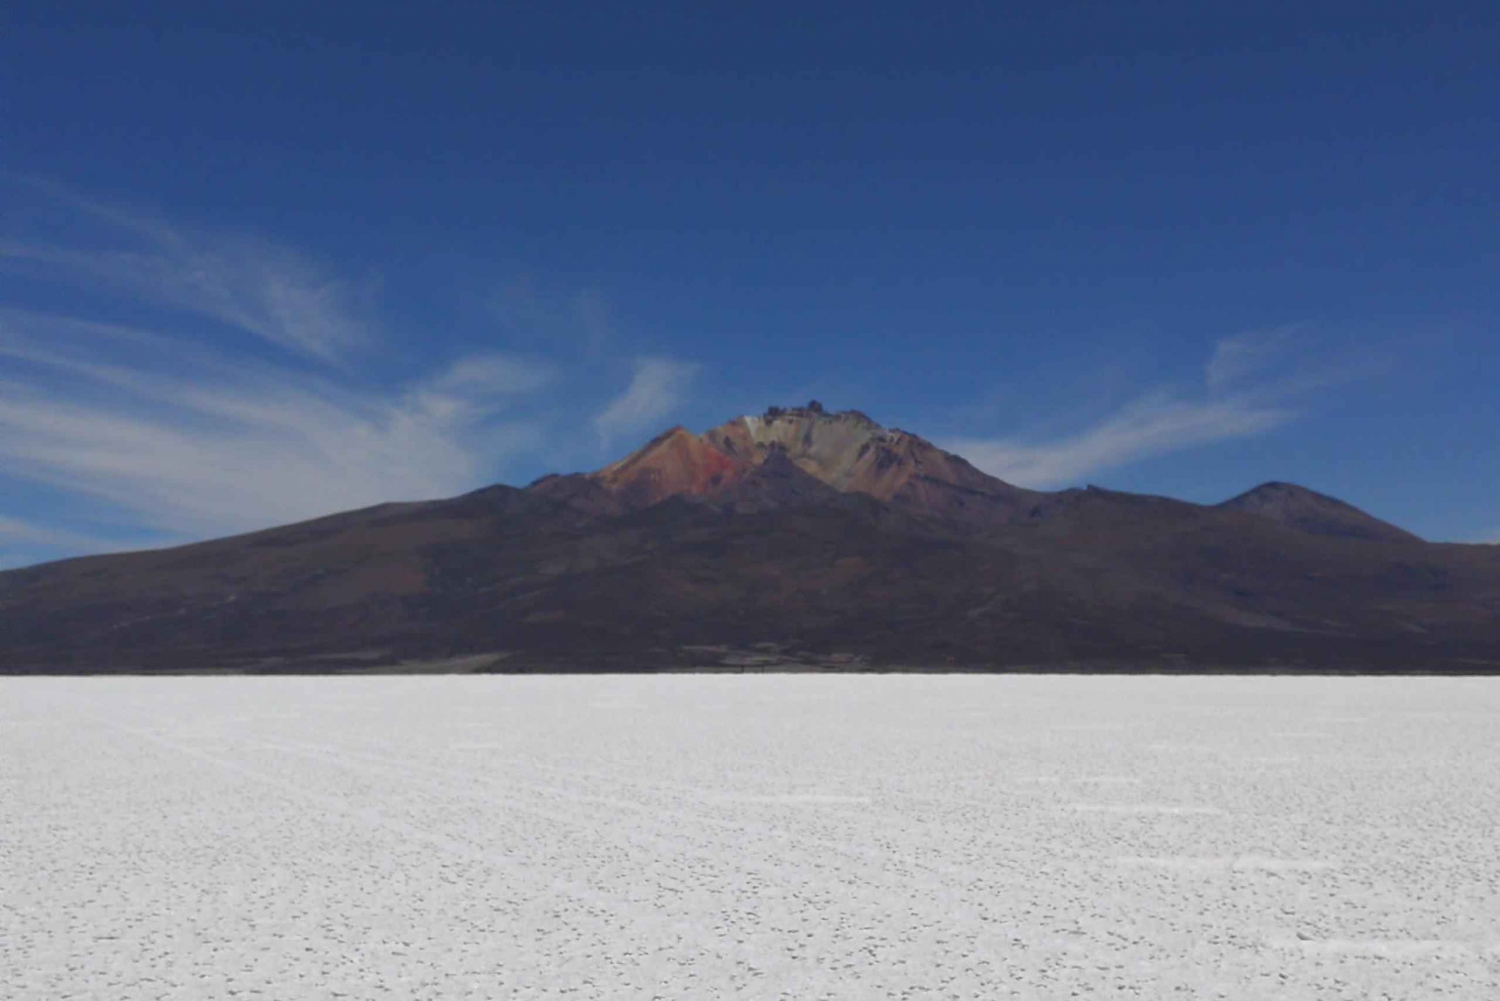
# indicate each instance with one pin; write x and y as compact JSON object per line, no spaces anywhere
{"x":797,"y":537}
{"x":846,"y":451}
{"x":1313,"y":512}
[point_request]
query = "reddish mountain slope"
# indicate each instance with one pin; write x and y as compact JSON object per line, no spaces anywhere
{"x":846,"y":451}
{"x":675,"y":463}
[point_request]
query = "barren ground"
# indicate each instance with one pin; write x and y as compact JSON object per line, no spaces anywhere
{"x":749,"y":836}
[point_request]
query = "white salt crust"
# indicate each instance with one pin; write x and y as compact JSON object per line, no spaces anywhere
{"x":750,"y":836}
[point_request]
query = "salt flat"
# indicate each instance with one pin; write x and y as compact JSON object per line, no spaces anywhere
{"x":749,"y":836}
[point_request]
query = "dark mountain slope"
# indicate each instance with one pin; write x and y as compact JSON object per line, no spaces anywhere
{"x":775,"y":560}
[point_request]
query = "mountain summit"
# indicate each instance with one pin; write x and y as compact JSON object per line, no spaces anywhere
{"x":1313,"y":512}
{"x":845,"y":451}
{"x":796,"y":537}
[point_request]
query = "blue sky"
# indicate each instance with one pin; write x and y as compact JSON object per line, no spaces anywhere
{"x":263,"y":264}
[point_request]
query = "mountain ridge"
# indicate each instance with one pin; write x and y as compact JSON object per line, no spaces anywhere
{"x":821,"y":540}
{"x":859,"y":455}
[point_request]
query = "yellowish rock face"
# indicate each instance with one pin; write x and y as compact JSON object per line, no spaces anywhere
{"x":847,"y":451}
{"x":839,"y":449}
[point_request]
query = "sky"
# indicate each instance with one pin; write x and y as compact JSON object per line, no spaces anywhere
{"x":267,"y":262}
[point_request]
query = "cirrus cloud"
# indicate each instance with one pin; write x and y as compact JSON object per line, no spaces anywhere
{"x":657,"y":387}
{"x":224,"y":385}
{"x":1248,"y":388}
{"x":242,"y":283}
{"x":1152,"y":425}
{"x":205,"y":448}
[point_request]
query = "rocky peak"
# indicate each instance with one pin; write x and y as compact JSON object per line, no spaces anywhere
{"x":844,"y":450}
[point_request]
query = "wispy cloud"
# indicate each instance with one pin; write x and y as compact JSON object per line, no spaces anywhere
{"x":180,"y":424}
{"x":1239,"y":359}
{"x":1153,"y":425}
{"x":1246,"y":390}
{"x":18,"y":531}
{"x":244,"y":283}
{"x":223,"y":447}
{"x":658,"y":387}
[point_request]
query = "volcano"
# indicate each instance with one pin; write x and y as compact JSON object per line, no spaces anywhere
{"x":847,"y":452}
{"x":794,"y":539}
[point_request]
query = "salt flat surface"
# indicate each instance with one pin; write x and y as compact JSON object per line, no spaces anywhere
{"x":749,"y":836}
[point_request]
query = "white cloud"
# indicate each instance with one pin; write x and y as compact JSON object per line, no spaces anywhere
{"x":184,"y":430}
{"x":270,"y":292}
{"x":1248,"y":389}
{"x":24,"y":542}
{"x":1153,"y":425}
{"x":225,"y":447}
{"x":656,"y":389}
{"x":15,"y":531}
{"x":1244,"y":356}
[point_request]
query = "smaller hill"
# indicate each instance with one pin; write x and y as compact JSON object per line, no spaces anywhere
{"x":1314,"y":513}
